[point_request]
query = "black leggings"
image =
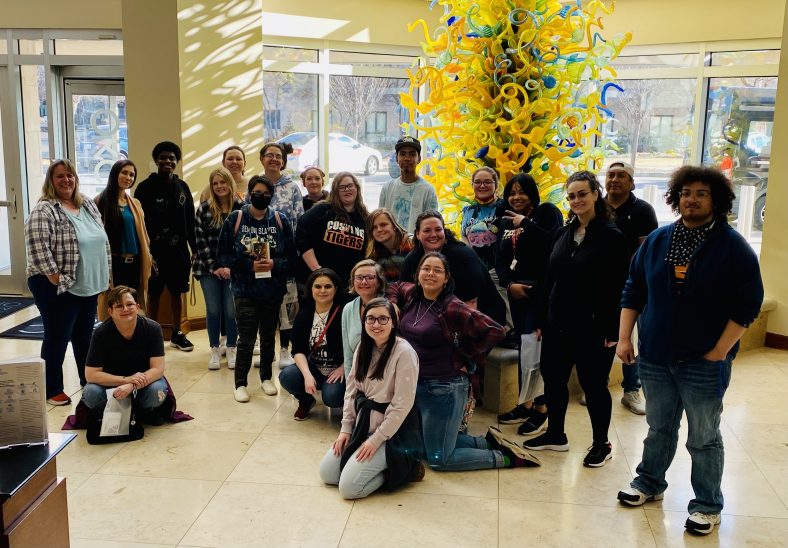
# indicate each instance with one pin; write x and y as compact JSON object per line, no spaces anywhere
{"x":560,"y":353}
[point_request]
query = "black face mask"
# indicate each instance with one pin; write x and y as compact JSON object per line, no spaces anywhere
{"x":260,"y":201}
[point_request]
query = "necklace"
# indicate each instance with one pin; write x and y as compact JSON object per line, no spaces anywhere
{"x":323,"y":317}
{"x":418,"y":310}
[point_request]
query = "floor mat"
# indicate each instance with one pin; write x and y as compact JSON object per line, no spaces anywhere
{"x":31,"y":329}
{"x":9,"y":305}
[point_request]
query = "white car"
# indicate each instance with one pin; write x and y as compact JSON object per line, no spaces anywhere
{"x":344,"y":153}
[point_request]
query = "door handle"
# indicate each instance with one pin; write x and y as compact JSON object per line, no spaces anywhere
{"x":10,"y":203}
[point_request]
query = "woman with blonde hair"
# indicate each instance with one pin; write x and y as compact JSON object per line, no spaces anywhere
{"x":68,"y":265}
{"x":334,"y":233}
{"x":215,"y":280}
{"x":366,"y":283}
{"x":389,"y":244}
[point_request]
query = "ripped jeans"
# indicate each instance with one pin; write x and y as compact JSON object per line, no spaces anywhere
{"x":149,"y":397}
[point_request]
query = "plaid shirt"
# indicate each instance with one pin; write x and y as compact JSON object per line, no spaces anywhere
{"x":51,"y":242}
{"x":469,"y":331}
{"x":208,"y":239}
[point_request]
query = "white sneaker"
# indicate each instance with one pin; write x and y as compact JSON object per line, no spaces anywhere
{"x":223,"y":345}
{"x":634,"y":402}
{"x":269,"y":388}
{"x":256,"y":351}
{"x":241,"y":395}
{"x":216,"y":355}
{"x":698,"y":522}
{"x":285,"y":358}
{"x":635,"y":497}
{"x":231,"y":353}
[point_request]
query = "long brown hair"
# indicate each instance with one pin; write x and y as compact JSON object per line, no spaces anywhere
{"x":336,"y":203}
{"x":375,"y":249}
{"x":367,"y":344}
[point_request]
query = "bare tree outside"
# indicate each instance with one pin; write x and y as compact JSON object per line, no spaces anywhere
{"x":354,"y":98}
{"x":637,"y":103}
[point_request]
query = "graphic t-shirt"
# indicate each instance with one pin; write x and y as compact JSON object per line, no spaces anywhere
{"x":481,"y":226}
{"x":406,"y":201}
{"x":319,"y":355}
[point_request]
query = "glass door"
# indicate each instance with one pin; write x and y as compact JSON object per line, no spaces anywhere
{"x":96,"y":131}
{"x":12,"y":248}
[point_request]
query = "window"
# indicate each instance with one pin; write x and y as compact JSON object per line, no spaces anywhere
{"x":273,"y":119}
{"x":753,"y":57}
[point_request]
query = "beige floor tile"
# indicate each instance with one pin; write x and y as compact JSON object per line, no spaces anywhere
{"x":765,"y":443}
{"x":405,"y":518}
{"x":282,"y":460}
{"x":73,"y":480}
{"x":746,"y":490}
{"x":79,"y":456}
{"x":755,"y":407}
{"x":523,"y":523}
{"x":135,"y":509}
{"x":777,"y":476}
{"x":221,"y":413}
{"x":321,"y":424}
{"x":253,"y":515}
{"x":476,"y":483}
{"x":166,"y":452}
{"x":562,"y":478}
{"x":86,"y":543}
{"x":734,"y":531}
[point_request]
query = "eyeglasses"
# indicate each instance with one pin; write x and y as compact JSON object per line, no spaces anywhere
{"x":382,"y":320}
{"x":343,"y":188}
{"x":272,"y":156}
{"x":119,"y":307}
{"x":579,"y":196}
{"x":258,"y":194}
{"x":701,"y":194}
{"x":430,"y":270}
{"x":488,"y":182}
{"x":364,"y":277}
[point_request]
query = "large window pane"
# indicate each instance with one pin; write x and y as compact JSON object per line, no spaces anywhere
{"x":738,"y":140}
{"x":652,"y":129}
{"x":639,"y":62}
{"x":281,"y":53}
{"x":34,"y":108}
{"x":290,"y":115}
{"x":754,"y":57}
{"x":5,"y":241}
{"x":366,"y":118}
{"x":371,"y":59}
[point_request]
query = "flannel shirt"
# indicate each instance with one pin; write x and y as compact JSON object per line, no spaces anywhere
{"x":207,"y":237}
{"x":471,"y":332}
{"x":51,"y":242}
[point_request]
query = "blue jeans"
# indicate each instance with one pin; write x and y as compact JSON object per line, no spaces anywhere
{"x":631,"y":380}
{"x":66,"y":318}
{"x":218,"y":304}
{"x":442,"y":405}
{"x":292,"y":380}
{"x":150,"y":397}
{"x":696,"y":387}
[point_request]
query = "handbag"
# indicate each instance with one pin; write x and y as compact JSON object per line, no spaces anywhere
{"x":531,"y":382}
{"x":117,"y":421}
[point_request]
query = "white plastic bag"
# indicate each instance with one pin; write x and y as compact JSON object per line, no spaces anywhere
{"x":532,"y":384}
{"x":117,"y":416}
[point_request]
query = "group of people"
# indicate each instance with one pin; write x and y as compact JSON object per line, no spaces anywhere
{"x":390,"y":315}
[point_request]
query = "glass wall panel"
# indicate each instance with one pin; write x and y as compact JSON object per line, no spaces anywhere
{"x":371,"y":59}
{"x":281,"y":53}
{"x":290,"y":115}
{"x":755,"y":57}
{"x":677,"y":60}
{"x":34,"y":117}
{"x":738,"y":140}
{"x":652,"y":129}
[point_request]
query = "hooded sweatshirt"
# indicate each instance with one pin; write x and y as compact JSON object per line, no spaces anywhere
{"x":288,"y":200}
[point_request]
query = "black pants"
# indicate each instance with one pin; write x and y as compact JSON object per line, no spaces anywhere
{"x":560,"y":352}
{"x":253,"y":316}
{"x":126,"y":272}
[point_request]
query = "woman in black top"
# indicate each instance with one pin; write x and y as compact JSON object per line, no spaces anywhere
{"x":317,"y":345}
{"x":527,"y":231}
{"x":579,"y":320}
{"x":334,"y":233}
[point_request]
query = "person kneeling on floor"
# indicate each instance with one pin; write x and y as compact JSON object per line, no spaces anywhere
{"x":126,"y":352}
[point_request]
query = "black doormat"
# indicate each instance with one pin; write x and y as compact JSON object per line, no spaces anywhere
{"x":9,"y":305}
{"x":31,"y":329}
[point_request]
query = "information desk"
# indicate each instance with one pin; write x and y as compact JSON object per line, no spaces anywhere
{"x":34,"y":511}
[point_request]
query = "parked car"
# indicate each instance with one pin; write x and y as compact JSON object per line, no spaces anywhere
{"x":344,"y":153}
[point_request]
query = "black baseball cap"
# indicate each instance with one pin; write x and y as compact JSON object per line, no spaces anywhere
{"x":408,"y":141}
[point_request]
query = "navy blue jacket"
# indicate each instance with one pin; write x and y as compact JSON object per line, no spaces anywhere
{"x":723,"y":282}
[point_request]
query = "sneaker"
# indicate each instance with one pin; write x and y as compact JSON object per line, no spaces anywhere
{"x":179,"y":341}
{"x":223,"y":345}
{"x":231,"y":355}
{"x":634,"y":402}
{"x":216,"y":355}
{"x":517,"y":457}
{"x":285,"y":358}
{"x":536,"y":422}
{"x":635,"y":497}
{"x":303,"y":410}
{"x":598,"y":455}
{"x":241,"y":395}
{"x":552,"y":442}
{"x":582,"y":398}
{"x":59,"y":399}
{"x":701,"y":523}
{"x":256,"y":350}
{"x":515,"y":416}
{"x":269,"y":387}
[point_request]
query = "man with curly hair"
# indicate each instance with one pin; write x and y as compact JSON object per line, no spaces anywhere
{"x":696,"y":286}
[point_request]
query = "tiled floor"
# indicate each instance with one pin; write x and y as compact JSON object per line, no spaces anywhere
{"x":246,"y":475}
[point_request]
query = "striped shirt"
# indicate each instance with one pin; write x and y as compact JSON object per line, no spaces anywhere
{"x":51,"y":242}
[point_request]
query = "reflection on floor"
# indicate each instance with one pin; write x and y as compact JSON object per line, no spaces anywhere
{"x":246,"y":475}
